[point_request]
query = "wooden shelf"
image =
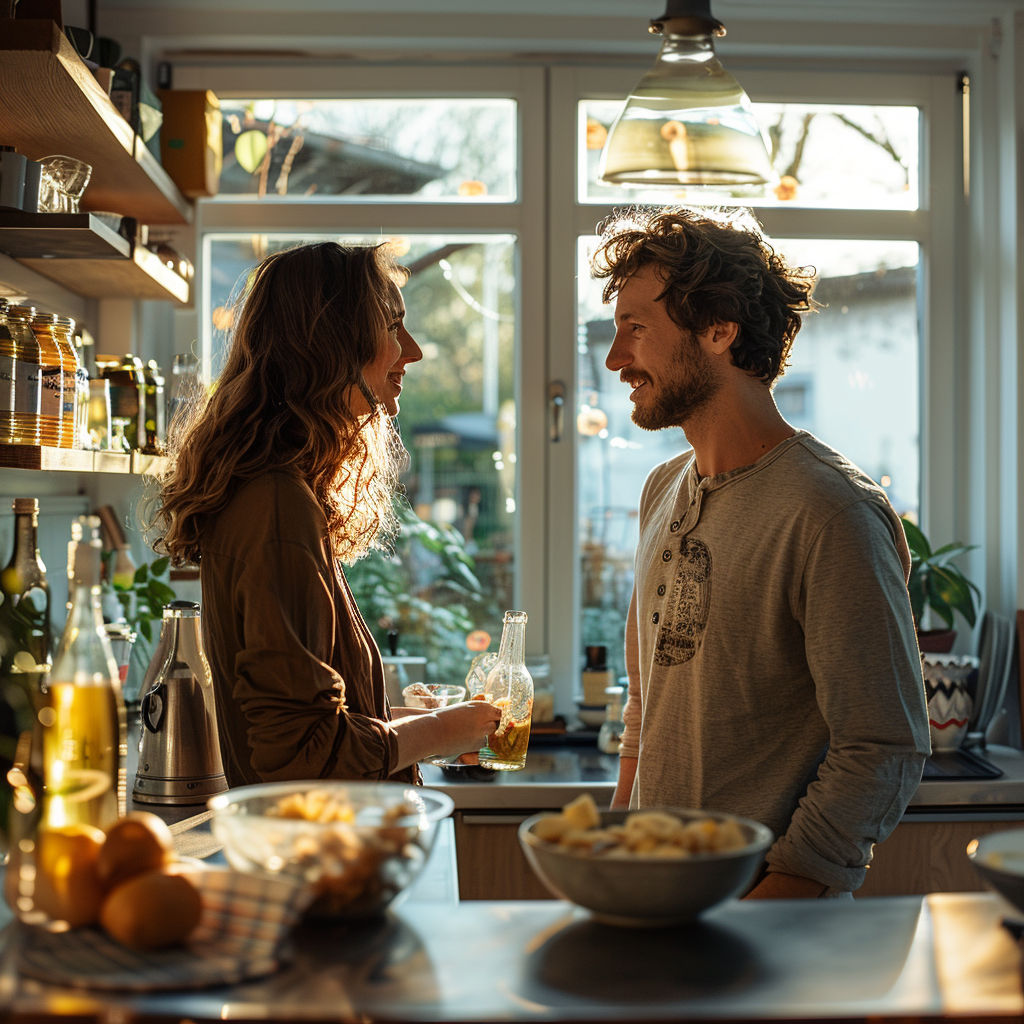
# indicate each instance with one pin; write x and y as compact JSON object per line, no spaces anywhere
{"x":141,"y":276}
{"x":64,"y":235}
{"x":73,"y":460}
{"x":50,"y":103}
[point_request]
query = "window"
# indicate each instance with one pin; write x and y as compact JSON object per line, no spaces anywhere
{"x":503,"y":304}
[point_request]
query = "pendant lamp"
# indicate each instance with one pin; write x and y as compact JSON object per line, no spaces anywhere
{"x":688,"y":122}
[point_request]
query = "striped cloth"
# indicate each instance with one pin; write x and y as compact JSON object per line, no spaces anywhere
{"x":245,"y":918}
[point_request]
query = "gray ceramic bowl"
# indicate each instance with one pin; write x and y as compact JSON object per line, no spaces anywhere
{"x":999,"y":859}
{"x":646,"y":891}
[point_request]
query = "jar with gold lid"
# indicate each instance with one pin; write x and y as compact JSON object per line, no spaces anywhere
{"x":63,"y":329}
{"x":51,"y":397}
{"x":20,"y":378}
{"x":127,"y":395}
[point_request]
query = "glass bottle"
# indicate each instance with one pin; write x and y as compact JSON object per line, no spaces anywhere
{"x":509,"y":686}
{"x":51,"y":395}
{"x":19,"y":358}
{"x":25,"y":610}
{"x":186,"y":390}
{"x":119,"y":435}
{"x":156,"y":409}
{"x":127,"y":396}
{"x":84,"y":395}
{"x":609,"y":737}
{"x":71,"y":431}
{"x":84,"y":734}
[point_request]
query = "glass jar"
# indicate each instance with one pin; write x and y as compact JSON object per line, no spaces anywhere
{"x":609,"y":737}
{"x":127,"y":395}
{"x":74,"y":392}
{"x":19,"y":363}
{"x":51,"y":397}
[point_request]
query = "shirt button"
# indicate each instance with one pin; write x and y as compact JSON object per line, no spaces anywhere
{"x":661,"y":590}
{"x":675,"y":526}
{"x":666,"y":556}
{"x":655,"y":617}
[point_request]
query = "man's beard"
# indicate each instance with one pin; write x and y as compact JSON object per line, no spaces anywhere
{"x":682,"y":396}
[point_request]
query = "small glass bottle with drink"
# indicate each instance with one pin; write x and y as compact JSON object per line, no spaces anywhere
{"x":509,"y":686}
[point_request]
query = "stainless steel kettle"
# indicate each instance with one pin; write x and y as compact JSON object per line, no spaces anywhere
{"x":179,"y":752}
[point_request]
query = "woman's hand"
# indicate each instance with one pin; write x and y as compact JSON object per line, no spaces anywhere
{"x":464,"y":727}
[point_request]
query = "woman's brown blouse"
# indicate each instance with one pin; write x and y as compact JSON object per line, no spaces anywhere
{"x":298,"y":679}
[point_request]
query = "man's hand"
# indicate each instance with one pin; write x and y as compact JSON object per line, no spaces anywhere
{"x":777,"y":886}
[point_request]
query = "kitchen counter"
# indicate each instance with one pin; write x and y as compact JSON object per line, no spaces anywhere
{"x":554,"y":775}
{"x":898,"y":958}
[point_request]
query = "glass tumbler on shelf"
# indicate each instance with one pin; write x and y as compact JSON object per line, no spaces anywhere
{"x":509,"y":686}
{"x":185,"y":391}
{"x":98,"y":424}
{"x":63,"y":180}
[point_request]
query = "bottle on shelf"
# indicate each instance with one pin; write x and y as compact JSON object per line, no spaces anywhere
{"x":51,"y":395}
{"x":82,"y":387}
{"x":71,"y":430}
{"x":156,"y":409}
{"x":510,"y":687}
{"x":127,"y":395}
{"x":25,"y":611}
{"x":19,"y":363}
{"x":186,"y":390}
{"x":84,"y":734}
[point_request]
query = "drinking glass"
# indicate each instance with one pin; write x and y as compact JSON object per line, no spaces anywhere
{"x":98,"y":424}
{"x":63,"y":181}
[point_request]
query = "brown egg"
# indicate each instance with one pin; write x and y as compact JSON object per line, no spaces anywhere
{"x":68,"y":886}
{"x":140,"y":842}
{"x":152,"y":910}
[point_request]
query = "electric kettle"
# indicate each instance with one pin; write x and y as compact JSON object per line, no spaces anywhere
{"x":179,"y":752}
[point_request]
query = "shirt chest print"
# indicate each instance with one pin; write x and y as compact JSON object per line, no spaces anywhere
{"x":686,"y":608}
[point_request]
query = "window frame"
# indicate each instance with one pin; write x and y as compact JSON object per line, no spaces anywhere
{"x":546,"y":219}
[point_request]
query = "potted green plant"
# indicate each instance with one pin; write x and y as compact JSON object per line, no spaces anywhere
{"x":938,"y":585}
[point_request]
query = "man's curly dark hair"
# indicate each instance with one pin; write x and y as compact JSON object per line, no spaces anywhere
{"x":718,"y":268}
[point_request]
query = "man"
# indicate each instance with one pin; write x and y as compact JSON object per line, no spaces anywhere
{"x":774,"y":670}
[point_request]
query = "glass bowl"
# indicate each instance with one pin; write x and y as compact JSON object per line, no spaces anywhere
{"x":999,"y":858}
{"x":375,"y":843}
{"x":432,"y":695}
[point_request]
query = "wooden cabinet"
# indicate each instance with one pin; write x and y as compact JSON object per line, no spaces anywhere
{"x":490,"y":861}
{"x":928,"y":856}
{"x":918,"y":858}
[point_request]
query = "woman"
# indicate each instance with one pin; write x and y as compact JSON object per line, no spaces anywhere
{"x":289,"y":471}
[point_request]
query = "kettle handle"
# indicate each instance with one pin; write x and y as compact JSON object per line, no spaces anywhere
{"x":157,"y":693}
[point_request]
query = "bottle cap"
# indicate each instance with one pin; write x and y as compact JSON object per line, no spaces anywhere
{"x":23,"y":506}
{"x":181,"y":610}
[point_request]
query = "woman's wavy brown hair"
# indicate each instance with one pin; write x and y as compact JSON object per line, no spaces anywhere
{"x":311,"y":318}
{"x":718,"y":268}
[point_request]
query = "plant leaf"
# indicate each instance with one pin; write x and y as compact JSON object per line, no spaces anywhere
{"x":250,"y":149}
{"x":142,"y":573}
{"x":159,"y":567}
{"x":916,"y":540}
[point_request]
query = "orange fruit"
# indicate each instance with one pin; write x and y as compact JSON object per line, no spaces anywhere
{"x":152,"y":910}
{"x":136,"y":843}
{"x":68,"y":886}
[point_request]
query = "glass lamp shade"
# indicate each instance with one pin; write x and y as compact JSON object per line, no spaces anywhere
{"x":688,"y":122}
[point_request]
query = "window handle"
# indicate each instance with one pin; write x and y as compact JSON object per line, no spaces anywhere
{"x":556,"y":399}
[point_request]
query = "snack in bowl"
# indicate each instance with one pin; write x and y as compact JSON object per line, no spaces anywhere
{"x":357,"y":844}
{"x":659,"y":866}
{"x":431,"y":696}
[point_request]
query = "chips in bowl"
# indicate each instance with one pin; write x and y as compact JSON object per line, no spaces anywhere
{"x":660,"y":866}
